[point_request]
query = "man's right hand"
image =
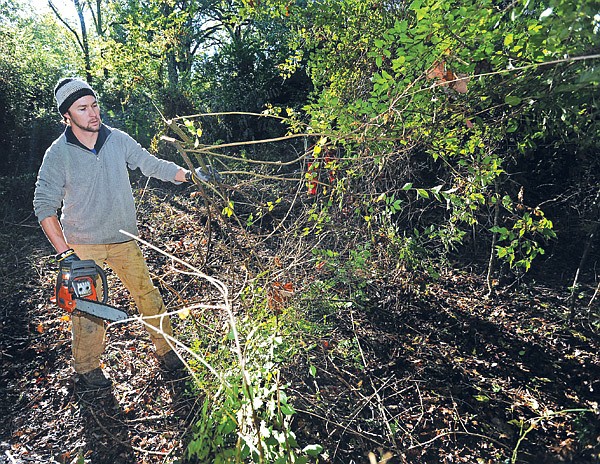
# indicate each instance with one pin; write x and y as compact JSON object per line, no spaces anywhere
{"x":66,"y":257}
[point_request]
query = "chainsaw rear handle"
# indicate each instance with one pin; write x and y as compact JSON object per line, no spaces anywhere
{"x":104,"y":283}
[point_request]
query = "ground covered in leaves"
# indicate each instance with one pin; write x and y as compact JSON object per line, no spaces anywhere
{"x":429,"y":372}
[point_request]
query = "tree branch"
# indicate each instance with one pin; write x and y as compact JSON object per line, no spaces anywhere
{"x":67,"y":25}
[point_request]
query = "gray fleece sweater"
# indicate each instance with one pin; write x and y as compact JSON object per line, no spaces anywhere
{"x":94,"y":190}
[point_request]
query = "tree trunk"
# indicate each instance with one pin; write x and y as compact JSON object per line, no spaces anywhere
{"x":492,"y":260}
{"x":84,"y":41}
{"x":584,"y":256}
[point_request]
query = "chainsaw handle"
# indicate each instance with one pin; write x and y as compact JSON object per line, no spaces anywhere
{"x":104,"y":284}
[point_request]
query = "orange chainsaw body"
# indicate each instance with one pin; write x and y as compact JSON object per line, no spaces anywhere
{"x":83,"y":287}
{"x":78,"y":280}
{"x":76,"y":291}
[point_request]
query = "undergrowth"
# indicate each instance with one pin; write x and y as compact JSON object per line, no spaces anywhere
{"x":246,"y":415}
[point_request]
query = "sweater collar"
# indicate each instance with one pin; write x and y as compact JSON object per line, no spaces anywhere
{"x":102,"y":136}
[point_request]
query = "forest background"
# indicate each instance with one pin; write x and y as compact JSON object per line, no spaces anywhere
{"x":371,"y":152}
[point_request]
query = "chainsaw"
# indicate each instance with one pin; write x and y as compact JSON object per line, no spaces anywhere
{"x":76,"y":291}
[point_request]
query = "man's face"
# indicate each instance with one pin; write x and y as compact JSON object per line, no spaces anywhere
{"x":85,"y":114}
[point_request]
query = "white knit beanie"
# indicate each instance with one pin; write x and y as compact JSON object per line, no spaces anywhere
{"x":68,"y":91}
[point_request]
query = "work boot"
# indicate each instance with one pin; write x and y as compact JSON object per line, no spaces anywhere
{"x":170,"y":361}
{"x":95,"y":379}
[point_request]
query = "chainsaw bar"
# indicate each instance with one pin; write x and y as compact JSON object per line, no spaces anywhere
{"x":101,"y":310}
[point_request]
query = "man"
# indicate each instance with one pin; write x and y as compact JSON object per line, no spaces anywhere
{"x":85,"y":172}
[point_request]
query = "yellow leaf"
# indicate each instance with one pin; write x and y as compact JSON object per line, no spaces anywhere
{"x":183,"y":313}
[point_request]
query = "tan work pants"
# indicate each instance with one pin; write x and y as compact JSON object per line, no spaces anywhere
{"x":127,"y":261}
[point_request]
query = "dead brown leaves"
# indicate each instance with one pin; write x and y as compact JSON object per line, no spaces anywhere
{"x":443,"y":74}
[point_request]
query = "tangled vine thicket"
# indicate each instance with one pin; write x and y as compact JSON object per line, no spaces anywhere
{"x":302,"y":228}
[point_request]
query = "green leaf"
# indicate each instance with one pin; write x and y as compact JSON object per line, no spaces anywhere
{"x":422,"y":13}
{"x":512,"y":126}
{"x":508,"y":39}
{"x":423,"y":193}
{"x":287,"y":409}
{"x":499,"y":230}
{"x":512,"y":100}
{"x":313,"y":450}
{"x":407,"y":186}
